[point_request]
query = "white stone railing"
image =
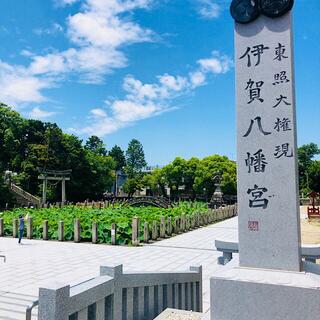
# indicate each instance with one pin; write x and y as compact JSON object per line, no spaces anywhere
{"x":116,"y":295}
{"x":309,"y":252}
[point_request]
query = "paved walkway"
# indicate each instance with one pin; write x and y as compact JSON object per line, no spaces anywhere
{"x":37,"y":262}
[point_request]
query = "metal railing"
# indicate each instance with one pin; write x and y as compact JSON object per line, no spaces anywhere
{"x":30,"y":308}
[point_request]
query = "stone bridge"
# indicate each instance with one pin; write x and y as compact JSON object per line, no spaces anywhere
{"x":159,"y":202}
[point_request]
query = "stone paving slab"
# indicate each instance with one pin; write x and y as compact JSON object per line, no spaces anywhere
{"x":38,"y":262}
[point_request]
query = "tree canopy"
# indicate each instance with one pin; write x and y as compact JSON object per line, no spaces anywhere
{"x":308,"y":168}
{"x":26,"y":145}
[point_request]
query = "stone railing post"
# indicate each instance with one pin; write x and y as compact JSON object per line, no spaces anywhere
{"x":94,"y":232}
{"x":61,"y":231}
{"x":113,"y":234}
{"x":53,"y":302}
{"x":188,"y":222}
{"x":146,"y":232}
{"x":135,"y":231}
{"x":162,"y":227}
{"x":155,"y":230}
{"x":116,"y":273}
{"x":176,"y":225}
{"x":182,"y":223}
{"x":77,"y":231}
{"x":192,"y":221}
{"x":169,"y":226}
{"x":211,"y":216}
{"x":1,"y":227}
{"x":15,"y":228}
{"x":29,"y":228}
{"x":45,"y":230}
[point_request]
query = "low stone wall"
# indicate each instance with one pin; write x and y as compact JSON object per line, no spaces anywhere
{"x":154,"y":231}
{"x":115,"y":295}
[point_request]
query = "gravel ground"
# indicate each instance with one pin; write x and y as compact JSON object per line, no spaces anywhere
{"x":170,"y":314}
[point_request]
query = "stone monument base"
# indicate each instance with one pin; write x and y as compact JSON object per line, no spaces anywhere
{"x":257,"y":294}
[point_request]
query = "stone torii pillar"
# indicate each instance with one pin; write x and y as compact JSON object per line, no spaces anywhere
{"x":44,"y":189}
{"x":63,"y":190}
{"x":54,"y":175}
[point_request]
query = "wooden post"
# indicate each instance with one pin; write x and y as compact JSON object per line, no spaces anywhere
{"x":113,"y":234}
{"x":162,"y":227}
{"x":61,"y":231}
{"x":1,"y":227}
{"x":15,"y":228}
{"x":135,"y":231}
{"x":146,"y":232}
{"x":29,"y":228}
{"x":77,"y":231}
{"x":94,"y":232}
{"x":45,"y":230}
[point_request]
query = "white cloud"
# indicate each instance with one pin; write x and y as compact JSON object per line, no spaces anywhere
{"x":197,"y":79}
{"x":19,"y":86}
{"x":216,"y":64}
{"x":209,"y":9}
{"x":173,"y":83}
{"x":98,"y":32}
{"x":39,"y":114}
{"x":63,"y":3}
{"x":26,"y":53}
{"x":143,"y":101}
{"x":55,"y":28}
{"x":98,"y":112}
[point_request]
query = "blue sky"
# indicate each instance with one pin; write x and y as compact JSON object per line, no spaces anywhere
{"x":156,"y":70}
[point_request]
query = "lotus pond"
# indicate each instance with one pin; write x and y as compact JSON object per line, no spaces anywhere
{"x":122,"y":216}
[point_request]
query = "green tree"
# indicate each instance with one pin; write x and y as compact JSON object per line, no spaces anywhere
{"x":306,"y":153}
{"x":11,"y":132}
{"x":208,"y":168}
{"x":132,"y":185}
{"x":135,"y":158}
{"x":155,"y":181}
{"x":174,"y":174}
{"x":314,"y":176}
{"x":118,"y":156}
{"x":96,"y":145}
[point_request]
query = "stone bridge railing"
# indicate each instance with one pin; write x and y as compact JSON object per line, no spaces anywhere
{"x":28,"y":197}
{"x":153,"y":201}
{"x":115,"y":295}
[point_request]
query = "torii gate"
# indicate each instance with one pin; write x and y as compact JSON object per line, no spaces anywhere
{"x":55,"y":175}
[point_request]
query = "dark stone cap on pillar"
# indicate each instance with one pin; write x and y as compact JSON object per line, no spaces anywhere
{"x":246,"y":11}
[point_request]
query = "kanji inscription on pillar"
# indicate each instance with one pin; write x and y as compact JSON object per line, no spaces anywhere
{"x":269,"y":229}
